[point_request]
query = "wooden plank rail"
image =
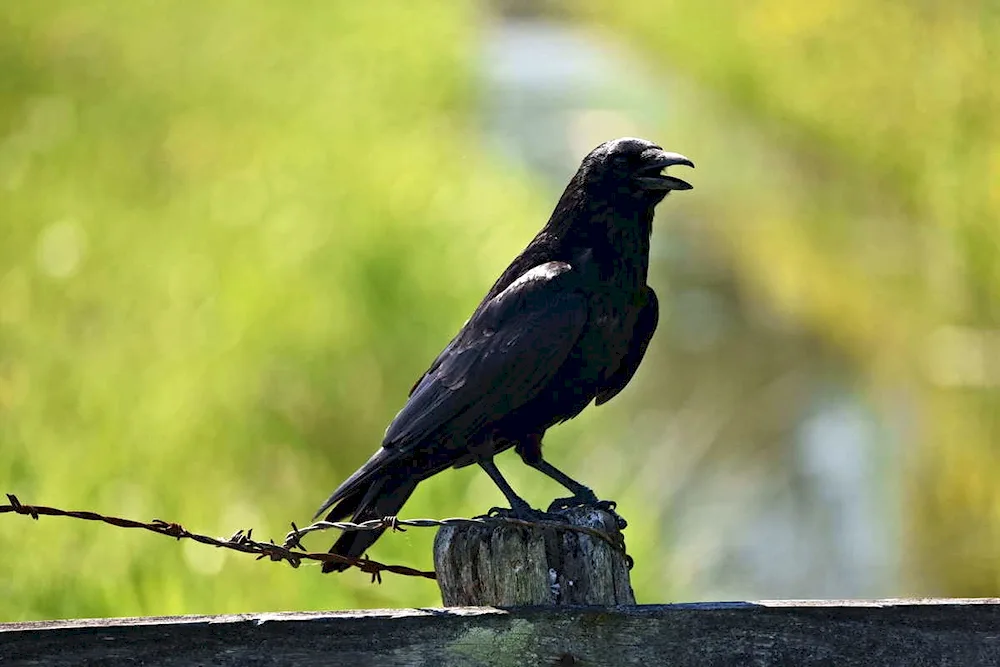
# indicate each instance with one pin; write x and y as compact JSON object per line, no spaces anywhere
{"x":907,"y":633}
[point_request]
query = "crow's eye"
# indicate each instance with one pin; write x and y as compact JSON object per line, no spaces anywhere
{"x":621,"y":162}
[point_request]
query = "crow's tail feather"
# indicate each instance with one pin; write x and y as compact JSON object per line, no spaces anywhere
{"x":384,"y":497}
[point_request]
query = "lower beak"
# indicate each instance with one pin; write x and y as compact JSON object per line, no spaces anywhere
{"x":651,"y":179}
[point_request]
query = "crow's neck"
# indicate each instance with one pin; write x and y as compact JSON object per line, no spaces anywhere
{"x":615,"y":233}
{"x":612,"y":235}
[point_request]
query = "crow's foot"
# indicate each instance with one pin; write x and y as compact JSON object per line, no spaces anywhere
{"x":523,"y":512}
{"x":589,"y":500}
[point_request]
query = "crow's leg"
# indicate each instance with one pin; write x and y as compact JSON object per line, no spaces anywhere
{"x":582,"y":495}
{"x":519,"y":507}
{"x":530,"y":449}
{"x":516,"y":501}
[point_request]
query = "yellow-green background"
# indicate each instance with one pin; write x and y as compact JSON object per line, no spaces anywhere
{"x":233,"y":233}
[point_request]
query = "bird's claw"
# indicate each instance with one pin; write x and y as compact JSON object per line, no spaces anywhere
{"x":525,"y":513}
{"x":608,"y":506}
{"x":578,"y":500}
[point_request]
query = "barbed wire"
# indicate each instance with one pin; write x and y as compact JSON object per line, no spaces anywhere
{"x":397,"y":524}
{"x":241,"y":541}
{"x":292,"y":551}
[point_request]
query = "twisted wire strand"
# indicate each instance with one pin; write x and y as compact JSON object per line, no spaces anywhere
{"x":292,"y":551}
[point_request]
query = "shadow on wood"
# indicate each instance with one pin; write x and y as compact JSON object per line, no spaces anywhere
{"x":507,"y":565}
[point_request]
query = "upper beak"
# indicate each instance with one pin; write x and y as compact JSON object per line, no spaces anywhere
{"x":654,"y":161}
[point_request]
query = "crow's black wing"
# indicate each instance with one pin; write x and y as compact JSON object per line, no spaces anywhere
{"x":642,"y":332}
{"x":510,"y":348}
{"x":505,"y":354}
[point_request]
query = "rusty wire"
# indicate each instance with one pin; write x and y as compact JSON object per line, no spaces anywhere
{"x":291,"y":551}
{"x":394,"y":523}
{"x":242,"y":540}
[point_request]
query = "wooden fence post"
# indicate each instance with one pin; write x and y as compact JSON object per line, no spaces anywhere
{"x":503,"y":564}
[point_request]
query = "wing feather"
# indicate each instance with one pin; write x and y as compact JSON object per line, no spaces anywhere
{"x":642,"y":332}
{"x":506,"y":353}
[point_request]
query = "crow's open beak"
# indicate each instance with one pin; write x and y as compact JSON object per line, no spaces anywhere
{"x":654,"y":161}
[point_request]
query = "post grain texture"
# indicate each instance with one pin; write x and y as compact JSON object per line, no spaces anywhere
{"x":509,"y":565}
{"x":895,"y":633}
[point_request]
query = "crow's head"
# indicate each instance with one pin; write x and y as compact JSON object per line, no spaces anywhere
{"x":633,"y":167}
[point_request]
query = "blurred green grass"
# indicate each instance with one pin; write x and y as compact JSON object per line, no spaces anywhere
{"x":882,"y":234}
{"x":233,"y":235}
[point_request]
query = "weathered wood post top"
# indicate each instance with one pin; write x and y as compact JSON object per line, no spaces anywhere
{"x":505,"y":564}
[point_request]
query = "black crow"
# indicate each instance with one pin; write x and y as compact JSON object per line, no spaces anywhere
{"x":567,"y":323}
